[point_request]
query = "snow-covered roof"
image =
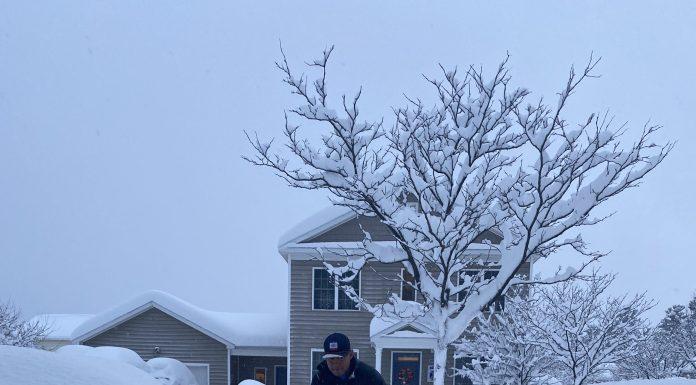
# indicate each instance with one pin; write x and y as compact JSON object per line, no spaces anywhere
{"x":316,"y":224}
{"x":232,"y":329}
{"x":60,"y":326}
{"x":392,"y":326}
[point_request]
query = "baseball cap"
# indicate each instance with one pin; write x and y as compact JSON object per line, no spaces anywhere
{"x":336,"y":345}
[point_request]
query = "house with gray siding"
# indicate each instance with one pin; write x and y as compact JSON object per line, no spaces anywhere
{"x":317,"y":308}
{"x":219,"y":348}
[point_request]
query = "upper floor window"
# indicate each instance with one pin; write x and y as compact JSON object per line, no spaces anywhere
{"x":328,"y":296}
{"x":477,"y":276}
{"x":408,"y":290}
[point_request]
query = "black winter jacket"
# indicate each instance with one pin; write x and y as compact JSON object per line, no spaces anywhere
{"x":359,"y":373}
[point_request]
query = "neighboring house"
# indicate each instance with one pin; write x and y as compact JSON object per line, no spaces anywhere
{"x":400,"y":350}
{"x":60,"y":328}
{"x":220,"y":348}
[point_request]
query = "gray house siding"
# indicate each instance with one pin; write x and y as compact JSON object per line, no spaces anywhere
{"x":175,"y":339}
{"x":308,"y":327}
{"x":243,"y":367}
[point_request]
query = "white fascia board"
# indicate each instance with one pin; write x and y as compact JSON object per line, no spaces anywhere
{"x":141,"y":309}
{"x":386,"y":342}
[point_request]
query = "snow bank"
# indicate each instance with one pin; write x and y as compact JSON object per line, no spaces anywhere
{"x":171,"y":372}
{"x":250,"y":382}
{"x":112,"y":353}
{"x":24,"y":366}
{"x":664,"y":381}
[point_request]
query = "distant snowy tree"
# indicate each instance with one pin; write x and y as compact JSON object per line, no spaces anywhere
{"x":677,"y":331}
{"x":501,"y":349}
{"x":652,"y":358}
{"x":17,"y":332}
{"x":584,"y":329}
{"x":480,"y":159}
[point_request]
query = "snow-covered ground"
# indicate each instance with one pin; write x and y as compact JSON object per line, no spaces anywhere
{"x":664,"y":381}
{"x":23,"y":366}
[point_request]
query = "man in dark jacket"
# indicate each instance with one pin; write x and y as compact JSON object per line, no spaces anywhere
{"x":340,"y":367}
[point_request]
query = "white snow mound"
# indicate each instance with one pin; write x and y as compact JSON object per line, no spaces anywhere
{"x":664,"y":381}
{"x":25,"y":366}
{"x":112,"y":353}
{"x":171,"y":372}
{"x":250,"y":382}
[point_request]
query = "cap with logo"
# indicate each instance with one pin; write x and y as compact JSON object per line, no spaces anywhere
{"x":336,"y":345}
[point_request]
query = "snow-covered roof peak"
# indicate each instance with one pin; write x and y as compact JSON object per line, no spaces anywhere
{"x":319,"y":222}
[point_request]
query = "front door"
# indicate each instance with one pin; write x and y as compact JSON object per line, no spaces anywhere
{"x":405,"y":368}
{"x":281,"y":375}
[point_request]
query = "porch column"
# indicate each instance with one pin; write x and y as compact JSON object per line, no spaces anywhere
{"x":378,"y":358}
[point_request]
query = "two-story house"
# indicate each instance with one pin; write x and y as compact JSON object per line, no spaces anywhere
{"x":400,"y":350}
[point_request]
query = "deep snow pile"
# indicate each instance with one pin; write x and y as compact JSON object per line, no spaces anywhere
{"x":170,"y":371}
{"x":664,"y":381}
{"x":23,"y":366}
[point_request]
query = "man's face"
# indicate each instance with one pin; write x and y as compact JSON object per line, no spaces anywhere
{"x":339,"y":366}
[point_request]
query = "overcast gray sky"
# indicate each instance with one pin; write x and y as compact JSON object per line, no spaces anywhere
{"x":121,"y":132}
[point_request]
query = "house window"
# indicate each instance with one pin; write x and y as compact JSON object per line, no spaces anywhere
{"x":408,"y":291}
{"x":476,"y":275}
{"x":260,"y":375}
{"x":316,"y":359}
{"x":328,"y":296}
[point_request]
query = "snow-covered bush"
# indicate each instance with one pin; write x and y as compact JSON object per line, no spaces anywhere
{"x":483,"y":176}
{"x":571,"y":331}
{"x":501,"y":349}
{"x":17,"y":332}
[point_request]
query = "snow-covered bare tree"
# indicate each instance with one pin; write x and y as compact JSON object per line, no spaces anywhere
{"x":585,"y":329}
{"x":480,"y":158}
{"x":652,"y":358}
{"x":502,"y":349}
{"x":16,"y":331}
{"x":677,"y":334}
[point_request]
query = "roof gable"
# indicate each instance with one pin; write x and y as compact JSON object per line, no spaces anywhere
{"x":231,"y":329}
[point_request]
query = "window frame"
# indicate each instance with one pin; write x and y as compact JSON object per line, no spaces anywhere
{"x":403,"y":283}
{"x":336,"y":290}
{"x":499,"y":299}
{"x":265,"y":374}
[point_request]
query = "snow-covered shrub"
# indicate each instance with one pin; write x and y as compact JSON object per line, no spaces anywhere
{"x":17,"y":332}
{"x":571,"y":331}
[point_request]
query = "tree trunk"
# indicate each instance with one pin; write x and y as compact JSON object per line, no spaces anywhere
{"x":440,"y":364}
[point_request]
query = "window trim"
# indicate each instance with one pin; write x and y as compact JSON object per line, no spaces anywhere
{"x":336,"y":289}
{"x":199,"y":364}
{"x":265,"y":374}
{"x":483,"y":269}
{"x":401,"y":288}
{"x":311,"y":353}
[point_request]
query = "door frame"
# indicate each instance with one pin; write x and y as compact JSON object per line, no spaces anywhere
{"x":420,"y":363}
